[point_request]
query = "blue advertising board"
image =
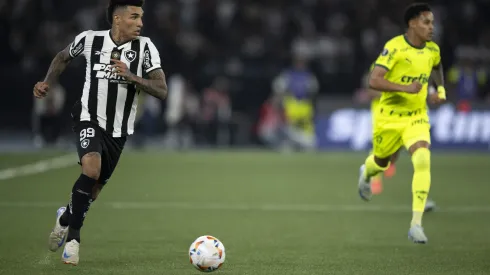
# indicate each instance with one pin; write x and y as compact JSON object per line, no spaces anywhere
{"x":351,"y":128}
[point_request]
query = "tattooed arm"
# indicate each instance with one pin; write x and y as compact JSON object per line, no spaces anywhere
{"x":155,"y":85}
{"x":58,"y":65}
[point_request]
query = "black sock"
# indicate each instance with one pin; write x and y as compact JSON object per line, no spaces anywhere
{"x":81,"y":198}
{"x":73,"y":234}
{"x":65,"y":218}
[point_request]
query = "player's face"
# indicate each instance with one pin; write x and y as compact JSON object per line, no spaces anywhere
{"x":425,"y":26}
{"x":131,"y":21}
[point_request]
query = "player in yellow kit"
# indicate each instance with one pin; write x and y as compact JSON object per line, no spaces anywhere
{"x":402,"y":73}
{"x":377,"y":180}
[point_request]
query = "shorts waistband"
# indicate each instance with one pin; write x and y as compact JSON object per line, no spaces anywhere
{"x":394,"y":112}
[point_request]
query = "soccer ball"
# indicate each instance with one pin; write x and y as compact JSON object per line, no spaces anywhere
{"x":207,"y":253}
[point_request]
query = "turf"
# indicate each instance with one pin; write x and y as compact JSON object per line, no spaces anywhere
{"x":275,"y":214}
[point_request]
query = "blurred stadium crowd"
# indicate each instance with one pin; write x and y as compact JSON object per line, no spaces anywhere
{"x":224,"y":58}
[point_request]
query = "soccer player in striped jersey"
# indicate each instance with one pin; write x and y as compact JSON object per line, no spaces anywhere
{"x":120,"y":65}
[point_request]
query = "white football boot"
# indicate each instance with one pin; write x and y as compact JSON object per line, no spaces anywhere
{"x":70,"y":253}
{"x":364,"y":185}
{"x":430,"y":205}
{"x":416,"y":234}
{"x":58,"y":235}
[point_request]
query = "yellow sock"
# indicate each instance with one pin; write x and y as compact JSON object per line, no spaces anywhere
{"x":416,"y":218}
{"x":372,"y":169}
{"x":420,"y":183}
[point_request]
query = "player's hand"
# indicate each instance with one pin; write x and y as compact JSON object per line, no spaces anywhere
{"x":414,"y":87}
{"x":121,"y":69}
{"x":435,"y":99}
{"x":41,"y":89}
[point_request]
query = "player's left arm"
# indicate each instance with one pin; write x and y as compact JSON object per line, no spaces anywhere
{"x":438,"y":76}
{"x":155,"y":85}
{"x":432,"y":96}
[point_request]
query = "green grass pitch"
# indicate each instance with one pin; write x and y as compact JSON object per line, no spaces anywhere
{"x":275,"y":214}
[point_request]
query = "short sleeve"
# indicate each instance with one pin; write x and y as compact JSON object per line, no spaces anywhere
{"x":388,"y":57}
{"x":78,"y":45}
{"x":151,"y":58}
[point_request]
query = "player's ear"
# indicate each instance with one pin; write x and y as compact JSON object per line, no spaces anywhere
{"x":115,"y":19}
{"x":412,"y":22}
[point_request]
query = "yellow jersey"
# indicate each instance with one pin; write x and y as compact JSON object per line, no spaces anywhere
{"x":407,"y":63}
{"x":374,"y":104}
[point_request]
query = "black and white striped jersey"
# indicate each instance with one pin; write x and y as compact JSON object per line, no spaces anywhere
{"x":107,"y":99}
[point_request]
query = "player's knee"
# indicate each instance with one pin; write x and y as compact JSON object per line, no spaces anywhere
{"x":421,"y":159}
{"x":91,"y":165}
{"x":91,"y":172}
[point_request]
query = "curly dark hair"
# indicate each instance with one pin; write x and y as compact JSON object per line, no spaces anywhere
{"x":114,"y":4}
{"x":414,"y":10}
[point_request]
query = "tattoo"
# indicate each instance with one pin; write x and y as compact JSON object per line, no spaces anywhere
{"x":155,"y":85}
{"x":58,"y":65}
{"x":118,"y":38}
{"x":438,"y":75}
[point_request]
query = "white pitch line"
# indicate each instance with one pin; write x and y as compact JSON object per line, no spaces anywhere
{"x":39,"y":167}
{"x":251,"y":207}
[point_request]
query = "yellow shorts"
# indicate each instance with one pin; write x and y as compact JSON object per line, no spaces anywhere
{"x":392,"y":130}
{"x":299,"y":113}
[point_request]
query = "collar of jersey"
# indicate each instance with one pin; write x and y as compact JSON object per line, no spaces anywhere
{"x":408,"y":42}
{"x":113,"y":42}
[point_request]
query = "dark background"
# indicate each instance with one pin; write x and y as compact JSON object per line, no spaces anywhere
{"x":247,"y":41}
